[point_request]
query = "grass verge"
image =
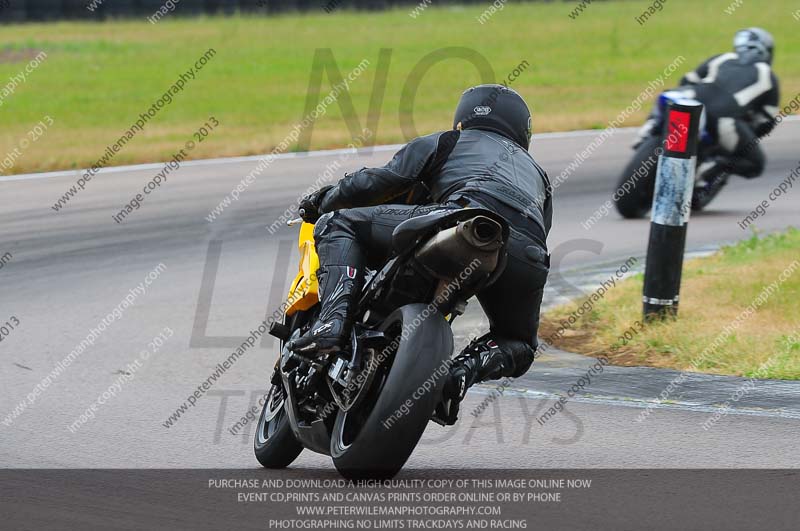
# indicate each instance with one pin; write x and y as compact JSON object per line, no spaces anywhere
{"x":582,"y":73}
{"x":715,"y":331}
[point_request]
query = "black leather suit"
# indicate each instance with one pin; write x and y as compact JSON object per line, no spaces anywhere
{"x":450,"y":170}
{"x":741,"y":101}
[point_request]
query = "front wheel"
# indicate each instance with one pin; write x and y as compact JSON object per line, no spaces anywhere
{"x":703,"y":195}
{"x":633,"y":196}
{"x":376,"y":438}
{"x":275,"y":445}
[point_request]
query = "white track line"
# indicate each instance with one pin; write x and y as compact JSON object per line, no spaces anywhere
{"x":280,"y":156}
{"x":638,"y":403}
{"x":293,"y":155}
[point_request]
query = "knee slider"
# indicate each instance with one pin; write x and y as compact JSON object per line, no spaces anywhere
{"x":518,"y":356}
{"x":523,"y":359}
{"x":752,"y":166}
{"x":759,"y":163}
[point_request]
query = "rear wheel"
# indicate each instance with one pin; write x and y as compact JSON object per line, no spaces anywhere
{"x":376,"y":438}
{"x":634,"y":192}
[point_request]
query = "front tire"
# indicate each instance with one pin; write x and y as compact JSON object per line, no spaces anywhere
{"x":634,"y":199}
{"x":375,"y":439}
{"x":275,"y":445}
{"x":701,"y":197}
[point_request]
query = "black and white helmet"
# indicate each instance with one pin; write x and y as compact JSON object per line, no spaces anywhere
{"x":495,"y":108}
{"x":754,"y":45}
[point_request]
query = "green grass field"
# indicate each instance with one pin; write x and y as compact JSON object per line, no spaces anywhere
{"x":98,"y":77}
{"x":708,"y":335}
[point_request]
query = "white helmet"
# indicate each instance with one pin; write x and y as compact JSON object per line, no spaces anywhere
{"x":754,"y":45}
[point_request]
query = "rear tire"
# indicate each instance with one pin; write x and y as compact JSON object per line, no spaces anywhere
{"x":362,"y":446}
{"x":636,"y":202}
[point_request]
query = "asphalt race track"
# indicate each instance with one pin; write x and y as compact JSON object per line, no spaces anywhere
{"x":69,"y":269}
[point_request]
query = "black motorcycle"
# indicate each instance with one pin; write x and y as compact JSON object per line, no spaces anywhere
{"x":368,"y":405}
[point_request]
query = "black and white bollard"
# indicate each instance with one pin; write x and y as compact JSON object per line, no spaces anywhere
{"x":672,"y":204}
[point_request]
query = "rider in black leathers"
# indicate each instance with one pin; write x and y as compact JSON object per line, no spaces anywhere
{"x":741,"y":95}
{"x":482,"y":162}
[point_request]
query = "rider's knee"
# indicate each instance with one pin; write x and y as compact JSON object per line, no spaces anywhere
{"x":752,"y":174}
{"x":350,"y":222}
{"x":758,"y":163}
{"x":522,"y":362}
{"x":753,"y":166}
{"x":520,"y":355}
{"x":322,"y":226}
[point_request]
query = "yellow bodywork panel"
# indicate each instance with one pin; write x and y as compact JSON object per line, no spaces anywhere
{"x":303,"y":294}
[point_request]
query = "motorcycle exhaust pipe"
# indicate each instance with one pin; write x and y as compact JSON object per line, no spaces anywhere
{"x":481,"y":233}
{"x":452,"y":250}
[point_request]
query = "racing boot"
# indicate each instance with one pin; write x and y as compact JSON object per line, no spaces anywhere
{"x":481,"y":360}
{"x":340,"y":287}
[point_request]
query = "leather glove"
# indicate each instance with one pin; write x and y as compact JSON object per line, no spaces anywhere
{"x":310,"y":204}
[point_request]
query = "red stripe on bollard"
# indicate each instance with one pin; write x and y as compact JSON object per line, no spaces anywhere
{"x":678,"y":131}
